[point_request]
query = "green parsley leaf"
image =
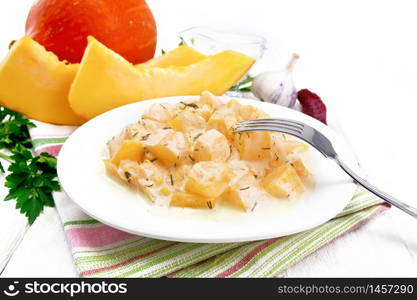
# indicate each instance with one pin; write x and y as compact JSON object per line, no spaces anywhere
{"x":31,"y":182}
{"x":31,"y":179}
{"x":14,"y":129}
{"x":243,"y":86}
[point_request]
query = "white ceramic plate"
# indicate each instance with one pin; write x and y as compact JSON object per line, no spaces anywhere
{"x":83,"y":177}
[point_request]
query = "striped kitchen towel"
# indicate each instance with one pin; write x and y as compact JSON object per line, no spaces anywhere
{"x":102,"y":251}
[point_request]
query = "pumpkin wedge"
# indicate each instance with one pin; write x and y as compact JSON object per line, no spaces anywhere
{"x":105,"y":80}
{"x":35,"y":83}
{"x":180,"y":56}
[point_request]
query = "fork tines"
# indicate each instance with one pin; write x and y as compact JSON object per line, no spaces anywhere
{"x":271,"y":124}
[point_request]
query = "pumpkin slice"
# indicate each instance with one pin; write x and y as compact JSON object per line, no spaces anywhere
{"x":106,"y":80}
{"x":181,"y":56}
{"x":35,"y":83}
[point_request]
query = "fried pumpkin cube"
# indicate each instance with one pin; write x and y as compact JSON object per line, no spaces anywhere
{"x":208,"y":179}
{"x":211,"y":145}
{"x":208,"y":98}
{"x":300,"y":168}
{"x":223,"y":120}
{"x":295,"y":147}
{"x":129,"y":150}
{"x":168,"y":146}
{"x":279,"y":154}
{"x":150,"y":126}
{"x":283,"y":182}
{"x":205,"y":111}
{"x":153,"y":180}
{"x":245,"y":193}
{"x":254,"y":145}
{"x":185,"y":199}
{"x":235,"y":106}
{"x":160,"y":112}
{"x":249,"y":112}
{"x":188,"y":121}
{"x":110,"y":168}
{"x":128,"y":171}
{"x":129,"y":133}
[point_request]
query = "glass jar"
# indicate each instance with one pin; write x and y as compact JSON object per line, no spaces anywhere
{"x":210,"y":41}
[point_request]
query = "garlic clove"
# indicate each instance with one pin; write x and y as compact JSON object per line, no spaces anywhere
{"x":277,"y":87}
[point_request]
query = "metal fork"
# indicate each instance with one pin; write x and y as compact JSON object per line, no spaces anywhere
{"x":322,"y":144}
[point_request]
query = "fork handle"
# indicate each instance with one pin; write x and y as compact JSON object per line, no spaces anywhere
{"x":388,"y":198}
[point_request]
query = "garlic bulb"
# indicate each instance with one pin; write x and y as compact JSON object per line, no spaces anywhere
{"x":277,"y":87}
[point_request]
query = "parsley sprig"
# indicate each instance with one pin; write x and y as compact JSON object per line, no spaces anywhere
{"x":14,"y":129}
{"x":31,"y":179}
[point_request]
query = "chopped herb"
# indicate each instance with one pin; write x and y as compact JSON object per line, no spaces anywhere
{"x":163,"y":52}
{"x":182,"y":42}
{"x":145,"y":137}
{"x":128,"y":175}
{"x":12,"y":43}
{"x":197,"y":136}
{"x":253,"y":208}
{"x":166,"y":128}
{"x":277,"y":157}
{"x":172,"y":180}
{"x":266,"y":148}
{"x":163,"y":106}
{"x":192,"y":105}
{"x":246,"y":188}
{"x":153,"y":160}
{"x":209,"y":204}
{"x":256,"y":176}
{"x":135,"y":134}
{"x":192,"y":158}
{"x":149,"y":186}
{"x":196,"y":150}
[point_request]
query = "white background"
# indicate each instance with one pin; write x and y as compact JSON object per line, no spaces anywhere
{"x":359,"y":56}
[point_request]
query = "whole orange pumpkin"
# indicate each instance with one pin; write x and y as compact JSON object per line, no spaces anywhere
{"x":62,"y":26}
